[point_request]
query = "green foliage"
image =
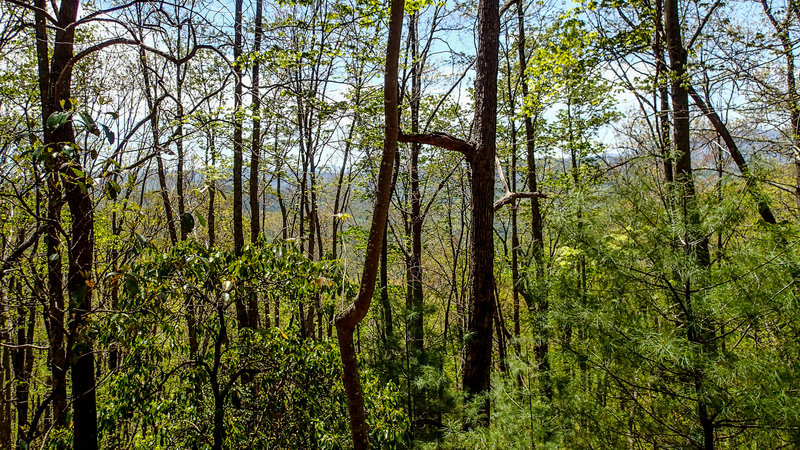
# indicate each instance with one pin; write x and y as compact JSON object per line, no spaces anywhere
{"x":277,"y":389}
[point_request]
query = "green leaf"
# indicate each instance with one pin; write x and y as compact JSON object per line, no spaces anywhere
{"x":108,"y":134}
{"x":57,"y":119}
{"x":187,"y":223}
{"x":202,"y":220}
{"x":112,"y":190}
{"x":89,"y":123}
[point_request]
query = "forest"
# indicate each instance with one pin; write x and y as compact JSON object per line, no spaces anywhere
{"x":412,"y":224}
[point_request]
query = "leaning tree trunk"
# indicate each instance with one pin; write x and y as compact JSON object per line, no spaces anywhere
{"x":348,"y":319}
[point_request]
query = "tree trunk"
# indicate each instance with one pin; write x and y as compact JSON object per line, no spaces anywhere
{"x":722,"y":130}
{"x":54,"y":317}
{"x":662,"y":114}
{"x":5,"y":380}
{"x":22,"y":374}
{"x":238,"y":231}
{"x":212,"y":192}
{"x":478,"y":363}
{"x":348,"y":319}
{"x":537,"y":301}
{"x":696,"y":244}
{"x":255,"y":141}
{"x":414,"y":294}
{"x":153,"y":106}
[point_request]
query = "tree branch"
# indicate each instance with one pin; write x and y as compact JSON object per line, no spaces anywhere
{"x":513,"y":196}
{"x":441,"y":140}
{"x":19,"y":251}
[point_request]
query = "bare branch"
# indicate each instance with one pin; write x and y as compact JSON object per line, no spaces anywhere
{"x":6,"y":264}
{"x":441,"y":140}
{"x":703,"y":24}
{"x":36,"y":9}
{"x":513,"y":196}
{"x":508,"y":4}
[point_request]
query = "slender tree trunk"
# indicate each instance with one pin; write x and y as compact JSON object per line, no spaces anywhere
{"x":348,"y":319}
{"x":386,"y":306}
{"x":537,"y":301}
{"x":697,"y":245}
{"x":722,"y":130}
{"x":212,"y":193}
{"x":339,"y":204}
{"x":154,"y":128}
{"x":662,"y":114}
{"x":512,"y":175}
{"x":793,"y":98}
{"x":180,"y":73}
{"x":530,"y":144}
{"x":415,"y":298}
{"x":255,"y":153}
{"x":22,"y":375}
{"x":55,"y":312}
{"x":5,"y":379}
{"x":278,"y":189}
{"x":255,"y":156}
{"x":238,"y":231}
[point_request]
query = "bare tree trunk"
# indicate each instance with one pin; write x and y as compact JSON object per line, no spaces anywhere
{"x":212,"y":193}
{"x":512,"y":175}
{"x":5,"y":380}
{"x":662,"y":114}
{"x":22,"y":358}
{"x":722,"y":130}
{"x":238,"y":231}
{"x":339,"y":203}
{"x":537,"y":301}
{"x":154,"y":128}
{"x":255,"y":144}
{"x":180,"y":74}
{"x":478,"y":363}
{"x":255,"y":156}
{"x":54,"y":317}
{"x":793,"y":100}
{"x":348,"y":319}
{"x":56,"y":97}
{"x":697,"y":245}
{"x":278,"y":189}
{"x":5,"y":400}
{"x":414,"y":293}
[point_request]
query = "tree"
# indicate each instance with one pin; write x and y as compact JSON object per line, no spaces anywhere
{"x":348,"y":319}
{"x":55,"y":74}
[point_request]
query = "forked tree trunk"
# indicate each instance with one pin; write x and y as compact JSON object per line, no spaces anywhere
{"x":54,"y":317}
{"x":80,"y":282}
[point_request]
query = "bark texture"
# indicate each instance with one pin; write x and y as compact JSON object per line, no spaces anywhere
{"x":478,"y":352}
